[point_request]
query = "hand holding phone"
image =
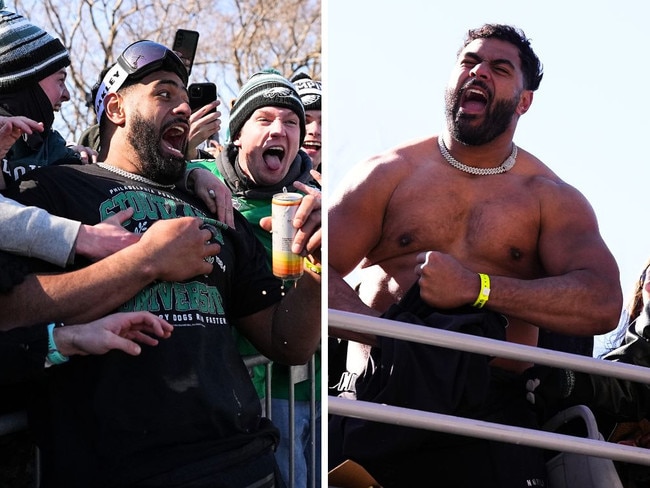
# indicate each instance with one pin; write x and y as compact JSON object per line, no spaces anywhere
{"x":200,"y":94}
{"x":203,"y":125}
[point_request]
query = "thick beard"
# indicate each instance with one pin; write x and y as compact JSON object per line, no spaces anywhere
{"x":147,"y":141}
{"x":497,"y":120}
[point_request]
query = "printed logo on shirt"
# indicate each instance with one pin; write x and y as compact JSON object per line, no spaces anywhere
{"x":195,"y":303}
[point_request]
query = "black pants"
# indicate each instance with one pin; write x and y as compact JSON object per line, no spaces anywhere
{"x":450,"y":461}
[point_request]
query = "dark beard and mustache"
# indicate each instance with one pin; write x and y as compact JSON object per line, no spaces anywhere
{"x":146,"y":141}
{"x":497,"y":118}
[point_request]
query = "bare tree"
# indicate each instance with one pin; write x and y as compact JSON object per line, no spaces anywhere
{"x":237,"y":39}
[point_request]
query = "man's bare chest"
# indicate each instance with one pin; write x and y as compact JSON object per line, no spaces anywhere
{"x":476,"y":221}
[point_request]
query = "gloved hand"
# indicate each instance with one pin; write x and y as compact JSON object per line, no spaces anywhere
{"x":12,"y":271}
{"x":550,"y":388}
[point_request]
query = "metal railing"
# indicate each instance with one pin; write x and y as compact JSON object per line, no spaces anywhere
{"x":481,"y":429}
{"x":257,"y":359}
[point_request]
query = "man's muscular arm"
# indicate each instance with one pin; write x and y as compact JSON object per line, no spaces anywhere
{"x":356,"y":213}
{"x":171,"y":250}
{"x":355,"y":222}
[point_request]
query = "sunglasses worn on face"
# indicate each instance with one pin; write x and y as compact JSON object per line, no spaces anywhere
{"x":137,"y":61}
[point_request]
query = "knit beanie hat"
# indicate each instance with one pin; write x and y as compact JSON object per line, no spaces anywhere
{"x":266,"y":88}
{"x":310,"y":91}
{"x":27,"y":53}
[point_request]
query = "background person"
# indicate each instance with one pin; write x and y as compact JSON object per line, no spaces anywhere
{"x":612,"y":399}
{"x":621,"y":407}
{"x":311,"y":94}
{"x":32,"y":84}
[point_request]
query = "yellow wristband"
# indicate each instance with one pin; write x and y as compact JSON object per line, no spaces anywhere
{"x":484,"y":293}
{"x":315,"y":268}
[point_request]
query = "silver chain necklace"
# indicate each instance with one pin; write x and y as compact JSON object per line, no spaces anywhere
{"x":133,"y":176}
{"x":505,"y":166}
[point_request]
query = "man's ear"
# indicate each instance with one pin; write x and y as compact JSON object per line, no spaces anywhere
{"x":114,"y":108}
{"x":525,"y":101}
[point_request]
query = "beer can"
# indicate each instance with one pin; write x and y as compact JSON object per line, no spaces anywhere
{"x":286,"y":264}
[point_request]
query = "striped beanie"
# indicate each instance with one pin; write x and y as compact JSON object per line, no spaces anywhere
{"x":266,"y":88}
{"x":27,"y":53}
{"x":310,"y":91}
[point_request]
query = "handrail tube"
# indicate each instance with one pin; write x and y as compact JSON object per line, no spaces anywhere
{"x":486,"y":430}
{"x":482,"y":345}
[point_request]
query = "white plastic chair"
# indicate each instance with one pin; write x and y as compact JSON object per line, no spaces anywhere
{"x":572,"y":470}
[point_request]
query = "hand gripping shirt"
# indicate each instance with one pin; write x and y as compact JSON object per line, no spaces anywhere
{"x":121,"y":418}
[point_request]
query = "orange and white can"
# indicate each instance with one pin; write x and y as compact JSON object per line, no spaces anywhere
{"x":286,"y":264}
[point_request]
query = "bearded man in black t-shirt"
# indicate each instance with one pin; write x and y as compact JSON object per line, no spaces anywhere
{"x":184,"y":413}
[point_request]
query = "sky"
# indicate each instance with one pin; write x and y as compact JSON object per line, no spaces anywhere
{"x":387,"y":64}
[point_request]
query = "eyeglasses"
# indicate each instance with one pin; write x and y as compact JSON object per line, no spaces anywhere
{"x":137,"y":61}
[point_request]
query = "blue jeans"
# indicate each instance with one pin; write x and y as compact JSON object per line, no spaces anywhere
{"x":301,"y":444}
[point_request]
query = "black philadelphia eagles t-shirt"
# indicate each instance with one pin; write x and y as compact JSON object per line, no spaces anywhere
{"x":123,"y":418}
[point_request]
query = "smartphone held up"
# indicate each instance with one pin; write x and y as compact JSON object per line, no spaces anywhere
{"x":185,"y":44}
{"x":200,"y":94}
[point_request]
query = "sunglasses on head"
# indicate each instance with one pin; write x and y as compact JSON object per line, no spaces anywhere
{"x":137,"y":61}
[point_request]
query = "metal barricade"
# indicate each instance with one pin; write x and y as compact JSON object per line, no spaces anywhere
{"x":476,"y":428}
{"x":257,"y":359}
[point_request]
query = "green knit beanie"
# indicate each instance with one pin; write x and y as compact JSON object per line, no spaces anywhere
{"x":265,"y":89}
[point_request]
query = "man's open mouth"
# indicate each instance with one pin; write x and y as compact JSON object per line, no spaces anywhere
{"x":273,"y":157}
{"x":474,"y":100}
{"x":174,"y":139}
